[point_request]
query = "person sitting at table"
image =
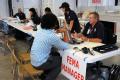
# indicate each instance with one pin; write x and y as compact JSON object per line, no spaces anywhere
{"x":20,"y":14}
{"x":34,"y":16}
{"x":94,"y":29}
{"x":45,"y":39}
{"x":48,"y":10}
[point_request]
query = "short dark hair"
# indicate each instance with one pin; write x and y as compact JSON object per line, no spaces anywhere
{"x":96,"y":15}
{"x":47,"y":9}
{"x":49,"y":21}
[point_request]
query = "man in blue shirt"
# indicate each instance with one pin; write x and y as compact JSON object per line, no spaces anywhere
{"x":44,"y":40}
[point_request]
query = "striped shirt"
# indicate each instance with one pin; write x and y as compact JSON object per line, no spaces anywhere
{"x":43,"y":42}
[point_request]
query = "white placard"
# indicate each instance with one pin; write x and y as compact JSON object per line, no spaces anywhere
{"x":73,"y":67}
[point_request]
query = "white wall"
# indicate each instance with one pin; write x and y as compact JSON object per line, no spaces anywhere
{"x":4,"y":12}
{"x":111,"y":3}
{"x":47,"y":3}
{"x":32,"y":4}
{"x":40,"y":5}
{"x":84,"y":5}
{"x":26,"y":5}
{"x":55,"y":4}
{"x":118,"y":2}
{"x":17,"y":4}
{"x":88,"y":3}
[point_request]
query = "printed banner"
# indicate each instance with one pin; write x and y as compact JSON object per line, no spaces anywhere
{"x":73,"y":67}
{"x":96,"y":1}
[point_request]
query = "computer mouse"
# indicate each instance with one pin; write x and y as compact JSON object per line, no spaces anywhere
{"x":75,"y":48}
{"x":85,"y":50}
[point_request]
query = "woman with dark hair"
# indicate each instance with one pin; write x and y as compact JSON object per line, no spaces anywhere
{"x":45,"y":39}
{"x":71,"y":23}
{"x":34,"y":16}
{"x":71,"y":18}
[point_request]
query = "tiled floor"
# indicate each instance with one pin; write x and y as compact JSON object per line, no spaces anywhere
{"x":5,"y":64}
{"x":5,"y":67}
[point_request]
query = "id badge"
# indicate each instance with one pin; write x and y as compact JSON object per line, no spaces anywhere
{"x":88,"y":32}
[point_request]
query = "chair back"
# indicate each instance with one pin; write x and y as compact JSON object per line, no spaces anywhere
{"x":12,"y":51}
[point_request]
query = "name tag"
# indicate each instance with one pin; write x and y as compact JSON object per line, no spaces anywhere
{"x":88,"y":32}
{"x":95,"y":30}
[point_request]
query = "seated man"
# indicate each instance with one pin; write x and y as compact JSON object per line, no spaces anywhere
{"x":20,"y":14}
{"x":94,"y":29}
{"x":44,"y":40}
{"x":48,"y":11}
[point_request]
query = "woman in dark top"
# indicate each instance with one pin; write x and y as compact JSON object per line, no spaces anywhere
{"x":71,"y":18}
{"x":94,"y":29}
{"x":34,"y":16}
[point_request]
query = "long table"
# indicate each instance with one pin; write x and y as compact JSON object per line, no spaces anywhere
{"x":74,"y":63}
{"x":13,"y":22}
